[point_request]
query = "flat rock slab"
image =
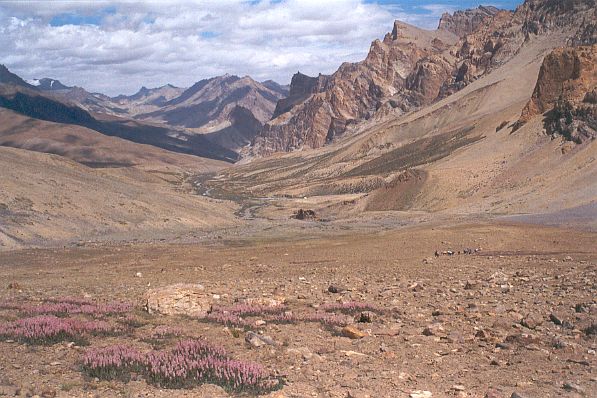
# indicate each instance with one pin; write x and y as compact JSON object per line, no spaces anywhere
{"x":179,"y":299}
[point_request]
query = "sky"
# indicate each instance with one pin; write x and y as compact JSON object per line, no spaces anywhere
{"x":115,"y":47}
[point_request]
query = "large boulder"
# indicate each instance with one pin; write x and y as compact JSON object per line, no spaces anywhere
{"x":179,"y":299}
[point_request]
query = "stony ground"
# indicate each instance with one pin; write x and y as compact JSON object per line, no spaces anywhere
{"x":518,"y":316}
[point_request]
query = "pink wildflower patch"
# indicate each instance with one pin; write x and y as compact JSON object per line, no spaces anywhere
{"x":189,"y":363}
{"x":48,"y":329}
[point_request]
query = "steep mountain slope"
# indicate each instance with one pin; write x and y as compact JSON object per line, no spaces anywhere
{"x":92,"y":149}
{"x":7,"y":77}
{"x":458,"y":155}
{"x":410,"y":64}
{"x":412,"y":68}
{"x":34,"y":104}
{"x":229,"y":109}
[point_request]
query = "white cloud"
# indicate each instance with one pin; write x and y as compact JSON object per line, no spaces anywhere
{"x":129,"y":44}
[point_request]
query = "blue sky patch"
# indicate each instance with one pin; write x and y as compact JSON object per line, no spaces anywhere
{"x":208,"y":34}
{"x":72,"y":18}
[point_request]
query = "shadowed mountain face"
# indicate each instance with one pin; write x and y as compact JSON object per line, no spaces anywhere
{"x":218,"y":108}
{"x":214,"y":117}
{"x":210,"y":101}
{"x":35,"y":105}
{"x":47,"y":84}
{"x":7,"y":77}
{"x":210,"y":107}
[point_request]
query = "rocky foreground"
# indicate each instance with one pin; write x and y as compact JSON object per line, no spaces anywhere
{"x":464,"y":311}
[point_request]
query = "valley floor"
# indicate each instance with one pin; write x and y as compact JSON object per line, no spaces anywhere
{"x":455,"y":325}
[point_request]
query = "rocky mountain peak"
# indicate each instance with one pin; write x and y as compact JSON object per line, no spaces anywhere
{"x":7,"y":77}
{"x":462,"y":23}
{"x":48,"y":84}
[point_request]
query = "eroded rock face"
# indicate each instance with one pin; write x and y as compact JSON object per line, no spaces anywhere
{"x":577,"y":18}
{"x":411,"y":68}
{"x":566,"y":92}
{"x":404,"y":63}
{"x":462,"y":23}
{"x":179,"y":299}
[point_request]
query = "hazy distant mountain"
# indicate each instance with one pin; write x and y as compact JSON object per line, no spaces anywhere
{"x":30,"y":101}
{"x":147,"y":99}
{"x":279,"y":88}
{"x":229,"y":109}
{"x":47,"y":84}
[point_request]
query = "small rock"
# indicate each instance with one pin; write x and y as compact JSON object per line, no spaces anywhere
{"x":574,"y":388}
{"x":183,"y":298}
{"x":351,"y":353}
{"x":482,"y":335}
{"x":257,"y":340}
{"x":260,"y":322}
{"x":304,"y":352}
{"x":581,"y":307}
{"x":416,"y":287}
{"x":493,"y":394}
{"x":264,"y":301}
{"x":421,"y":394}
{"x":139,"y":275}
{"x":505,"y":288}
{"x":471,"y":285}
{"x":366,"y":317}
{"x":458,"y":387}
{"x":516,"y":395}
{"x":428,"y":260}
{"x":357,"y":394}
{"x":352,"y":332}
{"x":336,"y":289}
{"x":531,"y":321}
{"x":433,"y":330}
{"x":455,"y":337}
{"x":559,"y":320}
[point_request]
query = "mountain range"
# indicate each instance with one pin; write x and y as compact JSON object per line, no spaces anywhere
{"x":431,"y":121}
{"x":421,"y":223}
{"x":213,"y":118}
